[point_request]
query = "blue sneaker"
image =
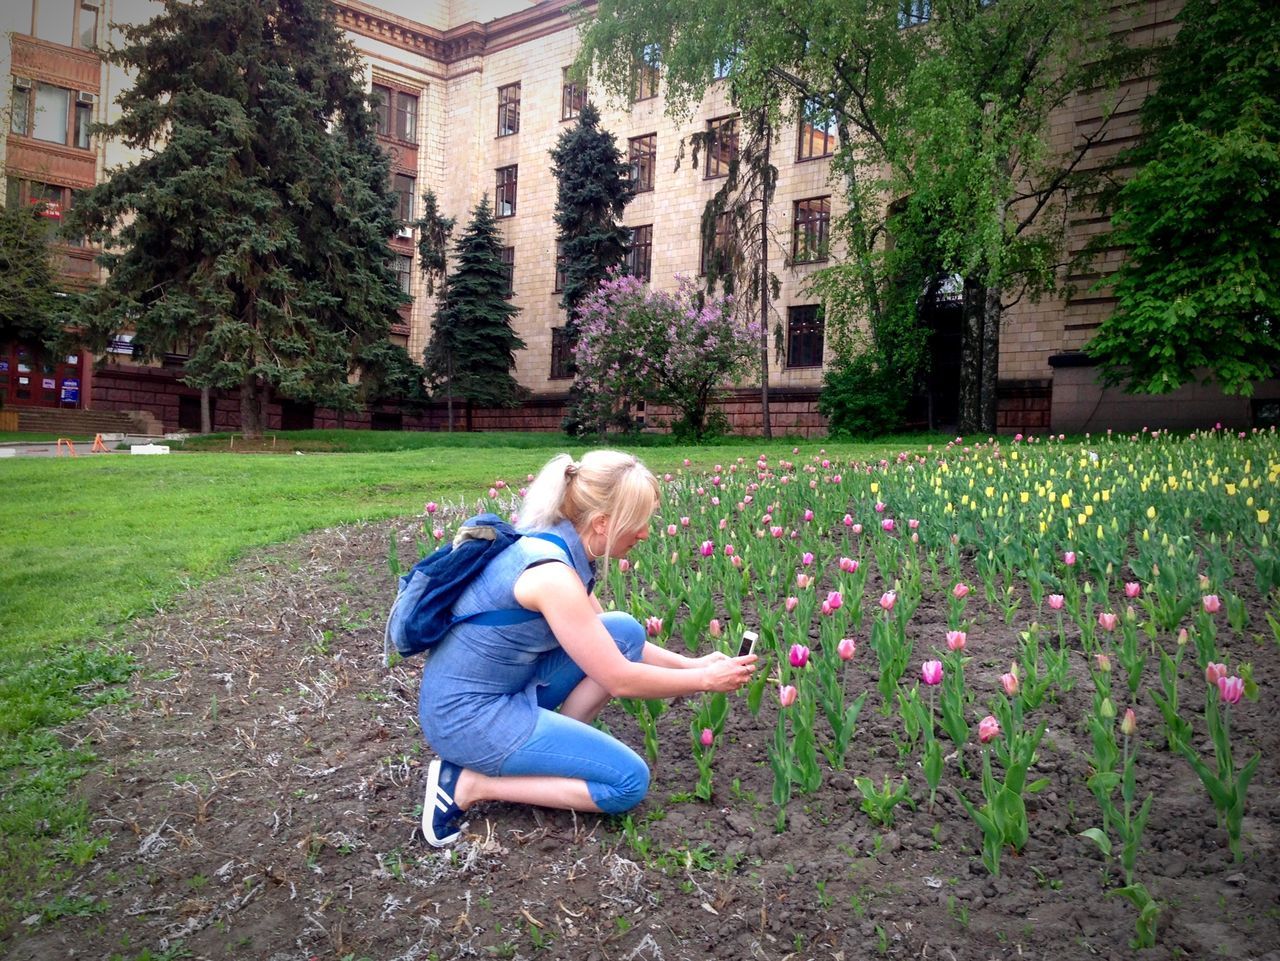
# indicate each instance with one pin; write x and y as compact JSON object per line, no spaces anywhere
{"x":440,"y":815}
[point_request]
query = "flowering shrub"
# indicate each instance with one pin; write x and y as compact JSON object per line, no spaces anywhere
{"x":640,"y":344}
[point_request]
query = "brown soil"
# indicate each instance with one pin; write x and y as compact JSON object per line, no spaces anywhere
{"x":261,"y":789}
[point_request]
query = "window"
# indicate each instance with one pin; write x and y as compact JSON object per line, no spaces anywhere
{"x":810,"y":231}
{"x":52,"y":113}
{"x":508,"y":110}
{"x":505,"y":192}
{"x":51,"y":202}
{"x":561,"y":355}
{"x":804,"y":336}
{"x":722,"y":146}
{"x":640,"y":252}
{"x":560,"y":268}
{"x":397,"y":113}
{"x":816,"y":133}
{"x":20,"y":107}
{"x":403,"y":187}
{"x":644,"y":83}
{"x":404,"y":272}
{"x":508,"y":257}
{"x":572,"y":97}
{"x":84,"y":117}
{"x":913,"y":12}
{"x":642,"y":156}
{"x":714,"y":254}
{"x":73,"y":23}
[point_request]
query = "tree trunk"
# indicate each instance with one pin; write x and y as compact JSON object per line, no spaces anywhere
{"x":766,"y":425}
{"x":251,"y":407}
{"x":989,"y":392}
{"x":206,"y":413}
{"x":971,"y":365}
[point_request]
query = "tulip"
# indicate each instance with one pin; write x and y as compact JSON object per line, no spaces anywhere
{"x":808,"y":514}
{"x":912,"y":523}
{"x":806,"y":558}
{"x":857,"y":528}
{"x":1214,"y":672}
{"x":931,"y":672}
{"x":804,"y":580}
{"x":432,"y":507}
{"x":1182,"y":637}
{"x":826,"y":608}
{"x":956,"y":640}
{"x":1107,"y":709}
{"x":835,"y":599}
{"x":798,"y":655}
{"x":653,"y":626}
{"x":684,"y":522}
{"x":714,"y":628}
{"x":1129,"y":723}
{"x":1231,"y":688}
{"x":1212,"y":604}
{"x":686,"y":462}
{"x":988,"y":728}
{"x":708,"y":548}
{"x":960,"y":591}
{"x":728,"y":550}
{"x":1010,"y":683}
{"x":880,"y":507}
{"x":1132,"y":589}
{"x":493,"y":492}
{"x":624,"y":565}
{"x":887,"y":524}
{"x":848,"y":520}
{"x":1056,"y":601}
{"x":438,"y":533}
{"x":671,"y":530}
{"x":786,"y":695}
{"x":791,"y":604}
{"x":887,"y":600}
{"x":847,"y":648}
{"x":708,"y":737}
{"x":736,"y":561}
{"x":1069,"y":558}
{"x":1104,"y":663}
{"x":1107,"y":621}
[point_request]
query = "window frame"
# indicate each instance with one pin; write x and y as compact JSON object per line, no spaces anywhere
{"x":502,"y":186}
{"x":572,"y":97}
{"x":805,"y":347}
{"x":562,"y":262}
{"x":402,"y":266}
{"x":561,"y":355}
{"x":718,"y":243}
{"x":79,"y":8}
{"x":715,"y":147}
{"x":23,"y":112}
{"x":396,"y":120}
{"x":405,"y":117}
{"x":406,"y":217}
{"x":645,"y":73}
{"x":507,"y":257}
{"x":805,"y":145}
{"x":642,"y":157}
{"x":815,"y":228}
{"x":509,"y":109}
{"x":640,"y":252}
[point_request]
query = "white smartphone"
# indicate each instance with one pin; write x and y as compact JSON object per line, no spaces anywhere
{"x":748,"y":645}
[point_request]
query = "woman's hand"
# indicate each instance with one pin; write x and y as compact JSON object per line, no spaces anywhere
{"x":706,"y":660}
{"x":722,"y":673}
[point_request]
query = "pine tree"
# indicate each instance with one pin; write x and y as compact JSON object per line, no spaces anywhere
{"x":27,"y":286}
{"x":593,"y":190}
{"x":472,"y":349}
{"x":252,"y":234}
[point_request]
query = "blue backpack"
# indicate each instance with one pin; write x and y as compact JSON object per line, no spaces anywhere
{"x":423,"y":610}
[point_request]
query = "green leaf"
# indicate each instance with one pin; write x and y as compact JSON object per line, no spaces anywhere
{"x":1099,"y":838}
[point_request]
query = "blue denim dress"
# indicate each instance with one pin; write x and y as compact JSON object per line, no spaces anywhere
{"x":478,"y":702}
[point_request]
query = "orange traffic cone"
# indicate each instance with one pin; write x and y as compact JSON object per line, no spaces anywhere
{"x":98,"y":446}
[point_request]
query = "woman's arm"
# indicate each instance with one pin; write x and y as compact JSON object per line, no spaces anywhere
{"x":556,"y":592}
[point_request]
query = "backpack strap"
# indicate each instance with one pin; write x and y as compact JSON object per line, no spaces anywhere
{"x":514,"y":615}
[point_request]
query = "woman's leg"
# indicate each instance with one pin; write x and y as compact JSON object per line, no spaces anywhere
{"x":575,"y":694}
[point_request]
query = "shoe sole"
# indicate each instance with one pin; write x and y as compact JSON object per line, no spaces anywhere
{"x":430,"y":802}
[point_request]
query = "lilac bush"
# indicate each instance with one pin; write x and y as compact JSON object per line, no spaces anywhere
{"x":675,"y":348}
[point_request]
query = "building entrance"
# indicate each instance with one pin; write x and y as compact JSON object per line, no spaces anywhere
{"x":32,"y":377}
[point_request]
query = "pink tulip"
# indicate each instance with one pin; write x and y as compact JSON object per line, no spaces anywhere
{"x":806,"y":558}
{"x":1010,"y":683}
{"x":880,"y":507}
{"x":786,"y":695}
{"x":913,"y":524}
{"x":931,"y":672}
{"x":808,"y":514}
{"x":1132,"y":589}
{"x":708,"y":548}
{"x":728,"y":550}
{"x":887,"y":524}
{"x":791,"y":604}
{"x":671,"y":530}
{"x":1129,"y":723}
{"x":714,"y":627}
{"x":708,"y":737}
{"x":493,"y":492}
{"x":624,"y":565}
{"x":736,"y":561}
{"x":835,"y":599}
{"x":847,"y":648}
{"x":1212,"y":604}
{"x":848,"y":520}
{"x":686,"y":462}
{"x":988,"y":728}
{"x":848,"y":565}
{"x":956,"y":640}
{"x":1069,"y":558}
{"x":432,"y":507}
{"x":1230,"y":689}
{"x":1056,"y":601}
{"x":798,"y":655}
{"x":804,"y":580}
{"x":438,"y":533}
{"x":1107,"y":621}
{"x":684,"y":522}
{"x":1214,"y":672}
{"x":961,"y":590}
{"x":826,"y":608}
{"x":653,"y":626}
{"x":1104,"y":663}
{"x":857,"y":528}
{"x":887,"y":600}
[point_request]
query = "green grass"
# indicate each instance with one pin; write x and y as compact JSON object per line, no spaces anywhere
{"x":18,"y":437}
{"x":91,"y":543}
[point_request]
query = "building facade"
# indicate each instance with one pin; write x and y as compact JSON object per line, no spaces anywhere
{"x":474,"y":94}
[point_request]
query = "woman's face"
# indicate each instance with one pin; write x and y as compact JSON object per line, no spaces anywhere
{"x":629,"y":539}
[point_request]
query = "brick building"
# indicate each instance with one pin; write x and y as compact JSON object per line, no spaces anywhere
{"x":474,"y":96}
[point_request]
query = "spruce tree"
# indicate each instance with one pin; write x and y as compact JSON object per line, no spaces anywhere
{"x":472,"y":349}
{"x":252,"y":233}
{"x":593,"y":190}
{"x":27,"y":285}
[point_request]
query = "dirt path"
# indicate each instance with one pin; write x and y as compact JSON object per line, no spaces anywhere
{"x":261,"y":790}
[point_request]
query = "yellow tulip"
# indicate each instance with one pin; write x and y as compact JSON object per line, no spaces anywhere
{"x":1151,"y":513}
{"x":1264,"y":516}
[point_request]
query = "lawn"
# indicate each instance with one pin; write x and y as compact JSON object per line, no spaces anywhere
{"x":92,"y":543}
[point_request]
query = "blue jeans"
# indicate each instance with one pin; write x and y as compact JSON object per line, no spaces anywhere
{"x":617,"y":778}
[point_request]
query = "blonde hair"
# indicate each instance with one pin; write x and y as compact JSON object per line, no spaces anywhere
{"x":604,"y":483}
